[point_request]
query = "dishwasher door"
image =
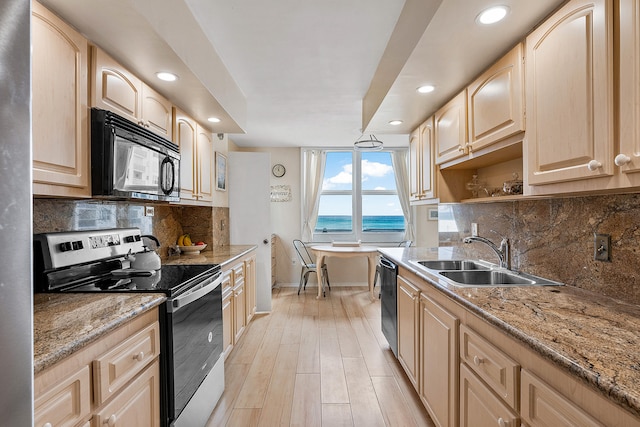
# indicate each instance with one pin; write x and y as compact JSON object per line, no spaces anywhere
{"x":388,"y":302}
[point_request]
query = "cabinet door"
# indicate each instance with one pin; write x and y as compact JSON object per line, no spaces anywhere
{"x":479,"y":407}
{"x":65,"y":403}
{"x":438,"y":362}
{"x":204,"y":169}
{"x":427,"y":166}
{"x":250,"y":286}
{"x":450,"y":123}
{"x":157,"y":113}
{"x":408,"y":339}
{"x":137,"y":405}
{"x":185,"y":137}
{"x":59,"y":107}
{"x":227,"y":323}
{"x":543,"y":406}
{"x":496,"y":101}
{"x":114,"y":88}
{"x":239,"y":302}
{"x":569,"y":94}
{"x":415,"y":173}
{"x":629,"y":158}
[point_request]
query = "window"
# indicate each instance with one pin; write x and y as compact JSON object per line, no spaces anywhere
{"x":359,"y":199}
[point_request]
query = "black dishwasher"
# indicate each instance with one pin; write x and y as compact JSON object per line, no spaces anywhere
{"x":388,"y":302}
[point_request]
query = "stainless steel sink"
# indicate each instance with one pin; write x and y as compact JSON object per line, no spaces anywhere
{"x":475,"y":273}
{"x":449,"y":264}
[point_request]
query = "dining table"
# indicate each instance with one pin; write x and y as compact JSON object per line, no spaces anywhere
{"x":346,"y":251}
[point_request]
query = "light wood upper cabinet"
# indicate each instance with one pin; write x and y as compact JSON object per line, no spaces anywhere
{"x":118,"y":90}
{"x":628,"y":157}
{"x":196,"y":159}
{"x":438,"y":363}
{"x":569,"y":86}
{"x":450,"y":129}
{"x":421,"y":166}
{"x":59,"y":107}
{"x":495,"y":101}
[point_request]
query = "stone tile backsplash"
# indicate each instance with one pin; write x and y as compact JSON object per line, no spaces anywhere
{"x":168,"y":222}
{"x":554,"y":238}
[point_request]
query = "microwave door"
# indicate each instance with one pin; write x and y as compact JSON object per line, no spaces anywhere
{"x":137,"y":168}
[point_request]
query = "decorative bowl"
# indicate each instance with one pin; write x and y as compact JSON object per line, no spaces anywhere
{"x":192,"y":250}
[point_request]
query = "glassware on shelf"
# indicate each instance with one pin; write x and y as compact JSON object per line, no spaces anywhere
{"x":475,"y":186}
{"x":514,"y":186}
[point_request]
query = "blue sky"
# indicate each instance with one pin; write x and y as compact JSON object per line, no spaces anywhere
{"x":377,"y":173}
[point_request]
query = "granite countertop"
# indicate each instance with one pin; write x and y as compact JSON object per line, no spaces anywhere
{"x":65,"y":322}
{"x":591,"y":336}
{"x":223,"y":255}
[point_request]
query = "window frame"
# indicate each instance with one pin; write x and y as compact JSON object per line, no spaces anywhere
{"x":356,"y":194}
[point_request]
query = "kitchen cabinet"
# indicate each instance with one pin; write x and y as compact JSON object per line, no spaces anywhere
{"x":438,"y":365}
{"x":569,"y":103}
{"x":495,"y":102}
{"x":472,"y":373}
{"x":118,"y":90}
{"x":628,"y":156}
{"x":408,"y":339}
{"x":227,"y":314}
{"x":60,"y":134}
{"x":450,"y":129}
{"x":239,"y":302}
{"x":114,"y":381}
{"x":250,"y":285}
{"x":196,"y":160}
{"x":480,"y":407}
{"x":421,"y":165}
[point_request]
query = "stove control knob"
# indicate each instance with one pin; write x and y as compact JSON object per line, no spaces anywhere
{"x":65,"y":246}
{"x":129,"y":239}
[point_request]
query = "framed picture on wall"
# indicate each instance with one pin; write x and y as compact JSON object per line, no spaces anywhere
{"x":221,"y":172}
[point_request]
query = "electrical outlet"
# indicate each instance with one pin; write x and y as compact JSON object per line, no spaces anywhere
{"x":149,"y":211}
{"x":474,"y":229}
{"x":602,"y":247}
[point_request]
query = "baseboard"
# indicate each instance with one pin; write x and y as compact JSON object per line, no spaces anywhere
{"x":313,"y":285}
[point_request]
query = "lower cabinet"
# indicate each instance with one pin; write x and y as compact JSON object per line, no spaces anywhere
{"x":114,"y":381}
{"x":471,"y":373}
{"x":238,"y":299}
{"x":438,"y":362}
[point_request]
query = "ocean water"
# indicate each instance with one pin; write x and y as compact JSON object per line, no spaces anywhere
{"x":333,"y":223}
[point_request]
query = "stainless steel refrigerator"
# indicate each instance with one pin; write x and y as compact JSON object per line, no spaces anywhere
{"x":16,"y":295}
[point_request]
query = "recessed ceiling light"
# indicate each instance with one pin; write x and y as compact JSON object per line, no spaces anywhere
{"x":214,"y":120}
{"x":167,"y":77}
{"x":395,"y":122}
{"x":492,"y":15}
{"x":426,"y":89}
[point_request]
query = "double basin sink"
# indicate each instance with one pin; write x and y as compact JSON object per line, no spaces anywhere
{"x":472,"y":273}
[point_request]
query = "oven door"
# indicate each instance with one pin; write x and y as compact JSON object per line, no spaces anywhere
{"x":194,"y":341}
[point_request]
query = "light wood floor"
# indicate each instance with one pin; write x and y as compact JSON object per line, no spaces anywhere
{"x":317,"y":363}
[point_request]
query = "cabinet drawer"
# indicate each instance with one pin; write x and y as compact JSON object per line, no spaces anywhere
{"x":480,"y":407}
{"x":66,"y":403}
{"x":115,"y":368}
{"x":494,"y":367}
{"x":138,"y":405}
{"x":543,"y":406}
{"x":238,"y":273}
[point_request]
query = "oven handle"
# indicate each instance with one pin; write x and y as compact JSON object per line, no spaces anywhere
{"x":191,"y":296}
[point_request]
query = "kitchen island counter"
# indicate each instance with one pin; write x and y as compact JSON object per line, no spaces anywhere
{"x":591,"y":336}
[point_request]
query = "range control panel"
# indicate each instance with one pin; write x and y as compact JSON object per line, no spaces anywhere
{"x":64,"y":249}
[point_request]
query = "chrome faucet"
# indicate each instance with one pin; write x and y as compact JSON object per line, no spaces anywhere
{"x":502,"y":251}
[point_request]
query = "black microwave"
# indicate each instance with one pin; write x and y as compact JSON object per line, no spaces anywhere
{"x":131,"y":162}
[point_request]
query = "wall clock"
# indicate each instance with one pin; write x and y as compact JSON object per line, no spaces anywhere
{"x":278,"y":170}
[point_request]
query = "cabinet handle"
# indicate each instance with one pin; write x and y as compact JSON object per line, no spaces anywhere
{"x":477,"y":360}
{"x":111,"y":421}
{"x":594,"y":165}
{"x":139,"y":356}
{"x":461,"y":148}
{"x":621,"y":160}
{"x":502,"y":423}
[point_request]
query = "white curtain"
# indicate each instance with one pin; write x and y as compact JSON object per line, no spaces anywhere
{"x":312,"y":174}
{"x":399,"y":160}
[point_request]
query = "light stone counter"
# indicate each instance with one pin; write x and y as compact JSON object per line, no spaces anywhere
{"x":591,"y":336}
{"x":63,"y":323}
{"x":223,"y":255}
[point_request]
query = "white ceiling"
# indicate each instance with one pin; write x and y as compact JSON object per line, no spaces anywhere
{"x":290,"y":73}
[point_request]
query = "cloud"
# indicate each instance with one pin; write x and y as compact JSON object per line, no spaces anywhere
{"x":375,"y":169}
{"x":369,"y":169}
